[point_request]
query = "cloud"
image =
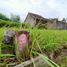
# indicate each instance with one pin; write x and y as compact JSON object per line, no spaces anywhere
{"x":46,"y":8}
{"x":52,"y":3}
{"x":36,"y":2}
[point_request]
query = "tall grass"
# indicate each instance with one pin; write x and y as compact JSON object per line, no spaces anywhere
{"x":43,"y":40}
{"x":8,"y":23}
{"x":47,"y":39}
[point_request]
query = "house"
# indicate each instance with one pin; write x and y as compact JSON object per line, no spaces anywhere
{"x":56,"y":24}
{"x":37,"y":20}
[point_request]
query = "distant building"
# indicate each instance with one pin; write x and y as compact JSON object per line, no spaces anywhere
{"x":56,"y":24}
{"x":37,"y":20}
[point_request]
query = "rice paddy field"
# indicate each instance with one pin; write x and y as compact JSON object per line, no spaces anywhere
{"x":47,"y":41}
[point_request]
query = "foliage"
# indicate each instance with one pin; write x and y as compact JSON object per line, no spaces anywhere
{"x":15,"y":18}
{"x":47,"y":39}
{"x":49,"y":62}
{"x":64,"y":20}
{"x":4,"y":23}
{"x":3,"y":17}
{"x":7,"y":55}
{"x":26,"y":25}
{"x":43,"y":40}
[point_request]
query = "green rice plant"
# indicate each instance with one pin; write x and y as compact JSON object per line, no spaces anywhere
{"x":47,"y":39}
{"x":42,"y":40}
{"x":8,"y":23}
{"x":0,"y":48}
{"x":7,"y":55}
{"x":44,"y":57}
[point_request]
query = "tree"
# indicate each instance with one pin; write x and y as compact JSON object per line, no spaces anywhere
{"x":15,"y":18}
{"x":3,"y":17}
{"x":64,"y":19}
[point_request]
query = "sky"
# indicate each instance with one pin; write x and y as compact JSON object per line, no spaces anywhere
{"x":45,"y":8}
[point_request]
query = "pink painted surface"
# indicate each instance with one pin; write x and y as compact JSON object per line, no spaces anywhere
{"x":22,"y":40}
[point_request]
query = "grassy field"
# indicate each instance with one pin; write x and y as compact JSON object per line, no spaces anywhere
{"x":47,"y":39}
{"x":44,"y":40}
{"x":4,"y":23}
